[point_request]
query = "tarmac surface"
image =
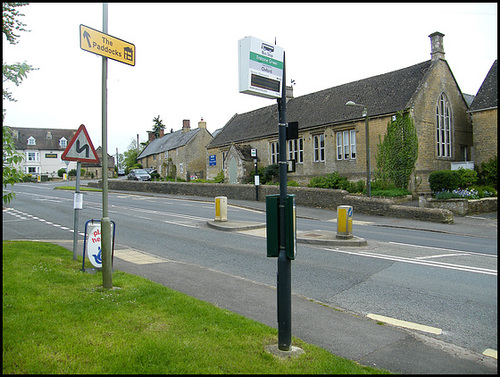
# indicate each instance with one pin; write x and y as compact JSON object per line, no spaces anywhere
{"x":397,"y":349}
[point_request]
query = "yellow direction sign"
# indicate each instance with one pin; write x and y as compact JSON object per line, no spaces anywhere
{"x":94,"y":41}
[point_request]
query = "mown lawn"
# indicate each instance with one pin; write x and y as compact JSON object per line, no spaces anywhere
{"x":57,"y":319}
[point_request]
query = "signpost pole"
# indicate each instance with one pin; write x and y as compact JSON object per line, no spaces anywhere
{"x":284,"y":263}
{"x":107,"y":276}
{"x":75,"y":227}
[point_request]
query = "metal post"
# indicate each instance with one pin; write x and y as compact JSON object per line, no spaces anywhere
{"x":368,"y":177}
{"x":284,"y":264}
{"x":107,"y":278}
{"x":75,"y":222}
{"x":255,"y":182}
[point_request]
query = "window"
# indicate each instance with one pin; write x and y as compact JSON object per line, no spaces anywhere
{"x":443,"y":127}
{"x":33,"y":170}
{"x":275,"y":151}
{"x":346,"y":145}
{"x":33,"y":156}
{"x":296,"y":150}
{"x":63,"y":142}
{"x":31,"y":141}
{"x":319,"y":148}
{"x":223,"y":159}
{"x":352,"y":134}
{"x":345,"y":135}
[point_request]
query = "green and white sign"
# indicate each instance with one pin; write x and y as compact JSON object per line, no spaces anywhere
{"x":260,"y":66}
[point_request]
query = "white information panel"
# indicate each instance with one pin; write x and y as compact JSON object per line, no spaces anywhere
{"x":260,"y":66}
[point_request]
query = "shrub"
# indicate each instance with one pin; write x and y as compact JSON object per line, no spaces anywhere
{"x":270,"y":173}
{"x":355,"y":187}
{"x":331,"y":181}
{"x":219,"y":178}
{"x":391,"y":192}
{"x":60,"y":172}
{"x":467,"y":177}
{"x":27,"y":178}
{"x":444,"y":180}
{"x":488,"y":173}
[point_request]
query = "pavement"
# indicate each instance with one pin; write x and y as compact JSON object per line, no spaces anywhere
{"x":346,"y":334}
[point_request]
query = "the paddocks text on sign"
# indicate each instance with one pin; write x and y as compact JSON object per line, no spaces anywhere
{"x":105,"y":45}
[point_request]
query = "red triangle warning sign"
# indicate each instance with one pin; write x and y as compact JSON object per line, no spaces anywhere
{"x":80,"y":148}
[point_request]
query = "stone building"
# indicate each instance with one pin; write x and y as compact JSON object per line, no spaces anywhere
{"x":94,"y":170}
{"x":180,"y":154}
{"x":484,"y":111}
{"x":332,"y":135}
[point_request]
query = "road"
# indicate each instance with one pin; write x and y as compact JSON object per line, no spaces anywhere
{"x":444,"y":281}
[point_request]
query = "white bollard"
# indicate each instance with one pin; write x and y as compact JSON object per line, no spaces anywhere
{"x":220,"y":208}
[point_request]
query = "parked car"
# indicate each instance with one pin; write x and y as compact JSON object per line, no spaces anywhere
{"x":138,"y":175}
{"x":121,"y":172}
{"x":152,"y":172}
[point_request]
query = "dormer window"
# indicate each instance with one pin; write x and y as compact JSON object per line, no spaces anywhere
{"x":31,"y":141}
{"x":63,"y":142}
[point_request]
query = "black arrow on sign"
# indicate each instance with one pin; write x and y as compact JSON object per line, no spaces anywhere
{"x":83,"y":148}
{"x":87,"y":35}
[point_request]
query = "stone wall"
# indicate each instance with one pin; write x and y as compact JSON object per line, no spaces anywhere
{"x":463,"y":207}
{"x":304,"y":196}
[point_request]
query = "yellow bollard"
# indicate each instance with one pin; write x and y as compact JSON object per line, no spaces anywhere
{"x":220,"y":208}
{"x":344,"y":222}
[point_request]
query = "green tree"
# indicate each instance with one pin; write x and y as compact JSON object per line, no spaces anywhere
{"x":130,"y":156}
{"x":14,"y":73}
{"x":10,"y":173}
{"x":157,"y":126}
{"x":398,"y":152}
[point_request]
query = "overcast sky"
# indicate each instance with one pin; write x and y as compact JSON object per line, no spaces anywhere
{"x":187,"y":57}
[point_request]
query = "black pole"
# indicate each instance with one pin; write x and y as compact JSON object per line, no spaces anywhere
{"x":255,"y":182}
{"x":284,"y":284}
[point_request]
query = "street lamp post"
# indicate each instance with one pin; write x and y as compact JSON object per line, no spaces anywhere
{"x":367,"y":132}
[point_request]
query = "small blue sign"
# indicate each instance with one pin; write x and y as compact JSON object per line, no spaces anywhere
{"x":212,"y":160}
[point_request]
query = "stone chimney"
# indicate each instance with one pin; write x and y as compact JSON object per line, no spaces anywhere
{"x":151,"y":136}
{"x":202,"y":124}
{"x":185,"y":125}
{"x":289,"y":92}
{"x":437,"y":49}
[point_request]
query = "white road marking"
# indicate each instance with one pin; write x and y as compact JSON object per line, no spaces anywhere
{"x":491,"y":353}
{"x":450,"y":266}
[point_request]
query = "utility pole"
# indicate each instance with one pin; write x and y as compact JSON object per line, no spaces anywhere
{"x":284,"y":263}
{"x":107,"y":273}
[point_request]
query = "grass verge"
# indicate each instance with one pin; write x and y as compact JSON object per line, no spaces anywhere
{"x":73,"y":188}
{"x":57,"y":319}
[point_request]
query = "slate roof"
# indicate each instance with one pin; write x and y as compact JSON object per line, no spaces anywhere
{"x":40,"y":136}
{"x":168,"y":142}
{"x":487,"y":95}
{"x":383,"y":94}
